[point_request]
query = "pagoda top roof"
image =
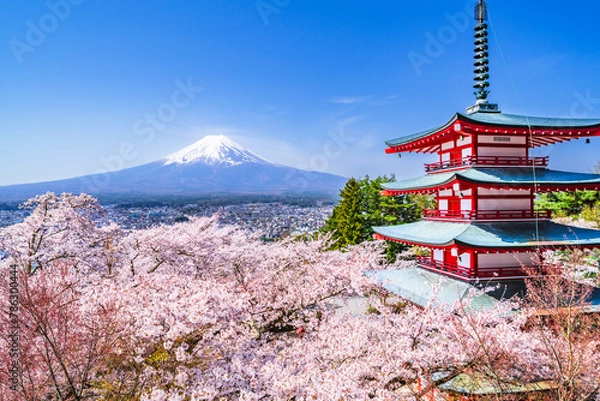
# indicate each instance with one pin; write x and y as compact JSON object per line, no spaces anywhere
{"x":552,"y":129}
{"x":495,"y":235}
{"x":545,"y":179}
{"x":515,"y":120}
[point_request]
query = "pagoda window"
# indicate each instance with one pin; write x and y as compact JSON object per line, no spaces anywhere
{"x":465,"y":140}
{"x":464,"y":260}
{"x":512,"y":140}
{"x":511,"y":259}
{"x":466,"y":204}
{"x":504,"y":192}
{"x":467,"y":152}
{"x":448,"y":145}
{"x":502,"y":151}
{"x":438,"y":255}
{"x":443,"y":204}
{"x":504,"y":204}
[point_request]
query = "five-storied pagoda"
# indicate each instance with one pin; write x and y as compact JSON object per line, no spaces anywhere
{"x":485,"y":183}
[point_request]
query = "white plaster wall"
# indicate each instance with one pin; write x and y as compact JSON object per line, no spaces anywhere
{"x":508,"y":152}
{"x":517,"y":140}
{"x":464,"y":260}
{"x":447,"y":145}
{"x":504,"y":204}
{"x":438,"y":254}
{"x":503,"y":193}
{"x":443,"y":204}
{"x":465,"y":141}
{"x":515,"y":259}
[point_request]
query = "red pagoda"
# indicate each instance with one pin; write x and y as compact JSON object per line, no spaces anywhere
{"x":485,"y":183}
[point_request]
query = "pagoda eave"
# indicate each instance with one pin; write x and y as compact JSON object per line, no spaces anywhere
{"x":503,"y":178}
{"x":481,"y":249}
{"x":539,"y":131}
{"x":491,"y":236}
{"x":539,"y":188}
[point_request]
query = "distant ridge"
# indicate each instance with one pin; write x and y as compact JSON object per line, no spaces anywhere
{"x":215,"y":166}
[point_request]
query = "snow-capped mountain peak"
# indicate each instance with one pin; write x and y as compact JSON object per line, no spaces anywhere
{"x":215,"y":150}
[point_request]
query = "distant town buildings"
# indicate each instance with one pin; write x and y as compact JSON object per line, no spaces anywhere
{"x":272,"y":220}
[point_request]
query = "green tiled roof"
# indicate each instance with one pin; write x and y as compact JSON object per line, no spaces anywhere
{"x":514,"y":120}
{"x":424,"y":134}
{"x":505,"y":176}
{"x":474,"y":385}
{"x":419,"y":286}
{"x":425,"y":232}
{"x":495,"y":235}
{"x":505,"y":120}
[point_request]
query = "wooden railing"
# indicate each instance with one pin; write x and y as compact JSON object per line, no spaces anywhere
{"x":503,"y":161}
{"x":466,"y":273}
{"x":486,"y":214}
{"x":449,"y":268}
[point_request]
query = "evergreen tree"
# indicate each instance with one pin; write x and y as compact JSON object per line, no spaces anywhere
{"x":346,"y":220}
{"x":568,"y":204}
{"x":362,"y":207}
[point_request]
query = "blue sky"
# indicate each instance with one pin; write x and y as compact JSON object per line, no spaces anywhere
{"x":93,"y":85}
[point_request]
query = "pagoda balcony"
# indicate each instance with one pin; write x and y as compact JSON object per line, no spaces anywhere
{"x":488,"y":161}
{"x":469,"y":274}
{"x":487,"y":214}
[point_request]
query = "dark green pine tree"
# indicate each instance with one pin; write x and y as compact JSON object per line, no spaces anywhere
{"x":348,"y":216}
{"x":568,"y":204}
{"x":362,"y":207}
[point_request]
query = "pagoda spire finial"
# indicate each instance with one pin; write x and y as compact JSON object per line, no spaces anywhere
{"x":481,"y":61}
{"x":481,"y":52}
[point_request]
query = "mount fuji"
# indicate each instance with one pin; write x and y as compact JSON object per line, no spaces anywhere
{"x":214,"y":167}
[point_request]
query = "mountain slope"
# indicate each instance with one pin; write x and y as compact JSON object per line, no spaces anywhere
{"x":215,"y":150}
{"x":212,"y":167}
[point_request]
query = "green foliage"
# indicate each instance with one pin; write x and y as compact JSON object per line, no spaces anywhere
{"x":421,"y":252}
{"x":362,"y":207}
{"x":158,"y":357}
{"x":568,"y":204}
{"x":371,"y":310}
{"x":591,"y":213}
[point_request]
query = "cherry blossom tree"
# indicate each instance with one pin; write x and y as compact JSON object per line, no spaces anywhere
{"x":198,"y":311}
{"x":58,"y":228}
{"x":558,"y":294}
{"x":68,"y":330}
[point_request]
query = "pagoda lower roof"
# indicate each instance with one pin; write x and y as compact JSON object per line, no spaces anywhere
{"x":516,"y":177}
{"x":544,"y":130}
{"x":422,"y":287}
{"x":491,"y":236}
